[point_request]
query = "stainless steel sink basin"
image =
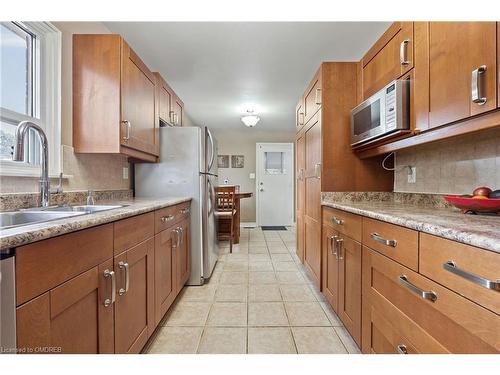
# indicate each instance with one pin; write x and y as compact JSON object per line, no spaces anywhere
{"x":18,"y":218}
{"x":89,"y":209}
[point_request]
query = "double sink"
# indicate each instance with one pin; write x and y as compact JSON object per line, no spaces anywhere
{"x":44,"y":214}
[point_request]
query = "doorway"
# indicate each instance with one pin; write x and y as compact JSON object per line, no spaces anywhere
{"x":274,"y":162}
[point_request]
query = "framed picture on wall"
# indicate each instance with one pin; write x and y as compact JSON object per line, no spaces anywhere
{"x":237,"y":161}
{"x":223,"y":161}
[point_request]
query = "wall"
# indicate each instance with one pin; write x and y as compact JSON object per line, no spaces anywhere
{"x":454,"y":166}
{"x":85,"y":171}
{"x":242,"y":142}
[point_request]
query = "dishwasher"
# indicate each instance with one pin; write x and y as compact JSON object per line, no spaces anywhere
{"x":7,"y":301}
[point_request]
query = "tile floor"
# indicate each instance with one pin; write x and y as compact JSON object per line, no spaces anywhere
{"x":259,"y":300}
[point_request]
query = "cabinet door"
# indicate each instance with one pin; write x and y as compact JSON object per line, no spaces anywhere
{"x":389,"y":58}
{"x":165,"y":102}
{"x":70,"y":318}
{"x":299,"y":115}
{"x":349,"y":309}
{"x":313,"y":169}
{"x":312,"y":251}
{"x":300,"y":189}
{"x":178,"y":109}
{"x":182,"y":255}
{"x":138,"y":103}
{"x":330,"y":267}
{"x":164,"y":272}
{"x":312,"y":98}
{"x":134,"y":314}
{"x":456,"y":49}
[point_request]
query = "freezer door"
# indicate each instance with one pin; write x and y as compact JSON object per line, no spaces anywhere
{"x":210,"y":153}
{"x":210,"y":248}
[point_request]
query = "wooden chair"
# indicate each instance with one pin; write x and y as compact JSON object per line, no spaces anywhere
{"x":224,"y":212}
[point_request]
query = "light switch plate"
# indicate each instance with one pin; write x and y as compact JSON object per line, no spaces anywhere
{"x":125,"y":173}
{"x":412,"y":175}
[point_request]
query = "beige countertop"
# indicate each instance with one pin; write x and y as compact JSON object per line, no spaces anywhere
{"x":476,"y":230}
{"x":22,"y":235}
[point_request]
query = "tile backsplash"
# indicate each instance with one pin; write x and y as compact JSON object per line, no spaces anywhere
{"x":454,"y":166}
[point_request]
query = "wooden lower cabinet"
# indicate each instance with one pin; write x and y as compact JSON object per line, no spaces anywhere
{"x":134,"y":307}
{"x":440,"y":321}
{"x":182,"y":258}
{"x":330,"y":280}
{"x":70,"y":318}
{"x":164,"y":275}
{"x":312,"y":249}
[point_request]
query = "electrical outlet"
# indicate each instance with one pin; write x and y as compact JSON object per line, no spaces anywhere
{"x":125,"y":173}
{"x":412,"y":175}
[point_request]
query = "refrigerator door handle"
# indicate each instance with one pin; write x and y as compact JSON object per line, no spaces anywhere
{"x":212,"y":151}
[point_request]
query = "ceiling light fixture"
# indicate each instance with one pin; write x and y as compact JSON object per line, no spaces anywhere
{"x":250,"y":119}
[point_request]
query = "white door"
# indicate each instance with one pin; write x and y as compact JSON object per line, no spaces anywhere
{"x":274,"y":184}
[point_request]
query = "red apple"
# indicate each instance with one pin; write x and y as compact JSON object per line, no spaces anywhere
{"x":484,"y":191}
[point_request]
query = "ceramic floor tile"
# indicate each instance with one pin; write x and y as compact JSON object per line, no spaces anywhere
{"x":189,"y":314}
{"x":278,"y":250}
{"x":260,"y":266}
{"x":231,"y":293}
{"x":317,"y":340}
{"x":228,"y":314}
{"x":281,"y":257}
{"x":234,"y":278}
{"x":259,"y":257}
{"x":257,"y":250}
{"x":285,"y":267}
{"x":240,"y":266}
{"x":262,"y":278}
{"x":176,"y":340}
{"x":203,"y":293}
{"x":297,"y":293}
{"x":223,"y":341}
{"x":290,"y":278}
{"x":264,"y":293}
{"x":331,"y":315}
{"x":266,"y":314}
{"x":270,"y":340}
{"x":347,"y":340}
{"x":306,"y":314}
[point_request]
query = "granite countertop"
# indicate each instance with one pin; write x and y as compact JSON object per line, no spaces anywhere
{"x":480,"y":231}
{"x":22,"y":235}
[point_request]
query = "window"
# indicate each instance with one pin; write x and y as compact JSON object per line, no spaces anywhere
{"x":30,"y":59}
{"x":274,"y":162}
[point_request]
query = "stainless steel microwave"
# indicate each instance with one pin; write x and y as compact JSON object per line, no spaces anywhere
{"x":383,"y":113}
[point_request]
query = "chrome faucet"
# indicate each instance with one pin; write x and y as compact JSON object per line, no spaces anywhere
{"x":21,"y":132}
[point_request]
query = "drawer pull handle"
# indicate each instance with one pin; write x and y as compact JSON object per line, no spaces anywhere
{"x":431,"y":296}
{"x":333,"y":240}
{"x":164,"y":219}
{"x":450,"y":266}
{"x":317,"y":98}
{"x":476,"y":86}
{"x":184,"y":211}
{"x":376,"y":237}
{"x":402,"y":349}
{"x":337,"y":221}
{"x":125,"y":266}
{"x":339,"y":242}
{"x":181,"y":237}
{"x":403,"y":52}
{"x":110,"y":301}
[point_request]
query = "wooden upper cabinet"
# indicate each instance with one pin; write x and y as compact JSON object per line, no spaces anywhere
{"x":113,"y":98}
{"x":165,"y":100}
{"x":456,"y":51}
{"x":389,"y":58}
{"x":70,"y":318}
{"x":178,"y":111}
{"x":312,"y":98}
{"x":299,"y":115}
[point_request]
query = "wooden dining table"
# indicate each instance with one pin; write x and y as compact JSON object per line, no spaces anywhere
{"x":236,"y":222}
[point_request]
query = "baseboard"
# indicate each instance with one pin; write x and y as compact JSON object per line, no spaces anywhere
{"x":248,"y":225}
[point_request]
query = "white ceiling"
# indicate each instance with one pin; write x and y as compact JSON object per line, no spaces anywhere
{"x":217,"y":68}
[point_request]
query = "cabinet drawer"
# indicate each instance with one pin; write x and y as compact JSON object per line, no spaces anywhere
{"x":43,"y":265}
{"x":344,"y":222}
{"x":398,"y":243}
{"x":462,"y":268}
{"x":129,"y":232}
{"x":457,"y":324}
{"x":168,"y":216}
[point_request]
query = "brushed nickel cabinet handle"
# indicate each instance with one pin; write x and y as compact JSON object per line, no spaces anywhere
{"x":164,"y":219}
{"x":181,"y":240}
{"x":339,"y":241}
{"x":176,"y":243}
{"x":476,"y":85}
{"x":333,"y":241}
{"x":337,"y":221}
{"x":317,"y":98}
{"x":451,"y":266}
{"x":124,"y":266}
{"x":375,"y":236}
{"x":171,"y":115}
{"x":301,"y":118}
{"x":185,"y":211}
{"x":402,"y":349}
{"x":317,"y":171}
{"x":127,"y":123}
{"x":110,"y":301}
{"x":403,"y":52}
{"x":430,"y":295}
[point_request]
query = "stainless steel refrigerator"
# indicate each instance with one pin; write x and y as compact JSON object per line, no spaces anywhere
{"x":187,"y":167}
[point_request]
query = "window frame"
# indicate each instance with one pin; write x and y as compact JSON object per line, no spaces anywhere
{"x":47,"y":105}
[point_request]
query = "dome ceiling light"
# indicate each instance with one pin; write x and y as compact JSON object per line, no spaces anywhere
{"x":250,"y":119}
